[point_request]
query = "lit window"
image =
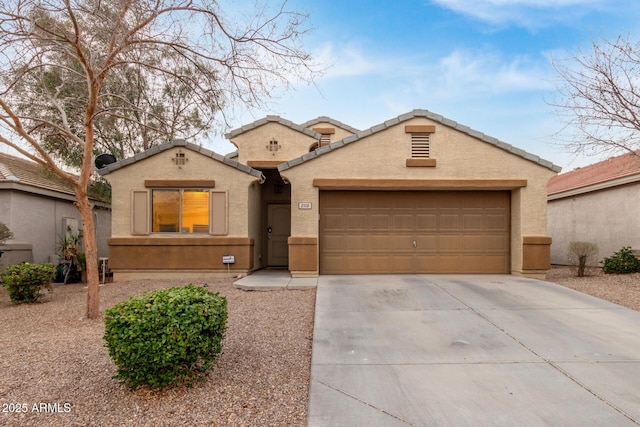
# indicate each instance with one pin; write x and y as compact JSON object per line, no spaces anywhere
{"x":180,"y":211}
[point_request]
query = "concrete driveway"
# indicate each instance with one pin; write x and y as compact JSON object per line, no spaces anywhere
{"x":469,"y":350}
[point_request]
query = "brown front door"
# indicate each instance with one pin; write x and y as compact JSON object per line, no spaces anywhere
{"x":414,"y":232}
{"x":278,"y":232}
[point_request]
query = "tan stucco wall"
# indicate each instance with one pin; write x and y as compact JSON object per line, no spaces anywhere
{"x":607,"y":218}
{"x":458,"y":156}
{"x":252,"y":145}
{"x":161,"y":167}
{"x":337,"y":135}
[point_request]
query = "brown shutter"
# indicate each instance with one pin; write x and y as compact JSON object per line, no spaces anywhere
{"x":140,"y":217}
{"x":218,"y":222}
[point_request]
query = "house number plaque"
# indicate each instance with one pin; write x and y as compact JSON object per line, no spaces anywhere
{"x":304,"y":205}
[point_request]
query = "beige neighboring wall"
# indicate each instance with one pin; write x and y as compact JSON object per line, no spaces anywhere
{"x":458,"y":156}
{"x":253,"y":145}
{"x":608,"y":218}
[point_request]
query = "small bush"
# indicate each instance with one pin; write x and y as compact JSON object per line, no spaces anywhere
{"x":579,"y":255}
{"x":25,"y":281}
{"x":165,"y":337}
{"x":622,"y":262}
{"x":5,"y":233}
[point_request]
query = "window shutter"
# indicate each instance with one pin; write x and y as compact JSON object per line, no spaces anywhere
{"x":218,"y":222}
{"x":140,"y":218}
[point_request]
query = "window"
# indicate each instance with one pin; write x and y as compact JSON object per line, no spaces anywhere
{"x":174,"y":210}
{"x":185,"y":211}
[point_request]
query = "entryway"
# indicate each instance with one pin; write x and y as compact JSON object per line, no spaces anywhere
{"x":278,"y":232}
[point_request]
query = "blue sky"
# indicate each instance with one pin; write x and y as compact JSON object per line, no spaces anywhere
{"x":483,"y":63}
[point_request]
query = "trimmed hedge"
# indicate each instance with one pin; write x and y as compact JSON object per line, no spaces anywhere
{"x":166,"y":337}
{"x":25,"y":281}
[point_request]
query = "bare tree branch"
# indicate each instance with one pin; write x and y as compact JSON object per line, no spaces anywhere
{"x":82,"y":76}
{"x":599,"y":98}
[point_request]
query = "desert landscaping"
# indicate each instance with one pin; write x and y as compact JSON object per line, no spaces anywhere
{"x":57,"y":372}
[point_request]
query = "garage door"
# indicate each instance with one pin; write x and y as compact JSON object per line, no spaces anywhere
{"x":414,"y":232}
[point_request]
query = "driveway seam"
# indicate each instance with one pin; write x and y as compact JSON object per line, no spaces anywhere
{"x":365,"y":403}
{"x":544,"y":359}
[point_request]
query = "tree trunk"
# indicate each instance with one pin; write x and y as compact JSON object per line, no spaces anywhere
{"x":91,"y":252}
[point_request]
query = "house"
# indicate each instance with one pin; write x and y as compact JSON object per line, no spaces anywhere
{"x":38,"y":207}
{"x":416,"y":194}
{"x":598,"y":204}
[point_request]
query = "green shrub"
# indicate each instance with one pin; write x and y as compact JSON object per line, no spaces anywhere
{"x":25,"y":281}
{"x":5,"y":233}
{"x":622,"y":262}
{"x":165,"y":337}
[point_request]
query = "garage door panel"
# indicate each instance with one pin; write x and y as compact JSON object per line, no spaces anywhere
{"x":334,"y":222}
{"x":357,"y":222}
{"x":427,"y":243}
{"x":447,"y":243}
{"x":426,"y":222}
{"x":332,"y":243}
{"x":449,"y":222}
{"x":380,"y":222}
{"x":496,"y":222}
{"x":473,"y":222}
{"x":374,"y":232}
{"x":403,"y":222}
{"x":356,"y":243}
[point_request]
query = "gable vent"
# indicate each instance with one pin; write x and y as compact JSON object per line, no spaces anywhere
{"x":420,"y":145}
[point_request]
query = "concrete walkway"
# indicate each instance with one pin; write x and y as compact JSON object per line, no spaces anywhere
{"x":273,"y":280}
{"x":427,"y":350}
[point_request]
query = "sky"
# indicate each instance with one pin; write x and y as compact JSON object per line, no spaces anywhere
{"x":483,"y":63}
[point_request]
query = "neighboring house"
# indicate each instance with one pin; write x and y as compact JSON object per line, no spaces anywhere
{"x":417,"y":194}
{"x":597,"y":204}
{"x":38,"y":207}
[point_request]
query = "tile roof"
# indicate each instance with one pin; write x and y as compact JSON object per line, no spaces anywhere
{"x":15,"y":170}
{"x":625,"y":166}
{"x":272,"y":119}
{"x":431,"y":116}
{"x":180,"y":143}
{"x":325,"y":119}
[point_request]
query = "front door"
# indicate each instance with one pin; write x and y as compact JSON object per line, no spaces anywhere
{"x":278,"y":231}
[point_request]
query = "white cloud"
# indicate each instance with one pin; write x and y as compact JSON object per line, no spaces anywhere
{"x":528,"y":13}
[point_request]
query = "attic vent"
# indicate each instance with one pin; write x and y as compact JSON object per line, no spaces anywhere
{"x":273,"y":145}
{"x":180,"y":159}
{"x":325,"y":139}
{"x":420,"y":145}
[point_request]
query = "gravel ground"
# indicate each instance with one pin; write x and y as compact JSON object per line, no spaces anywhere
{"x":623,"y":289}
{"x":56,"y":371}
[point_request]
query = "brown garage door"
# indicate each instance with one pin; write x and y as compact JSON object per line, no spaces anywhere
{"x":414,"y":232}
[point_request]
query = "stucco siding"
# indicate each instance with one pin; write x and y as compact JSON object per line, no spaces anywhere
{"x":198,"y":167}
{"x":337,"y":135}
{"x":458,"y":156}
{"x":38,"y":220}
{"x":607,"y":218}
{"x":253,"y":145}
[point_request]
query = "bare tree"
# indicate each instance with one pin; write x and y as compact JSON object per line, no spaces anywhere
{"x":599,"y":98}
{"x":48,"y":47}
